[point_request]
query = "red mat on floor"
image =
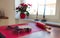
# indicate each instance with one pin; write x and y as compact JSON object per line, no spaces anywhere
{"x":9,"y":34}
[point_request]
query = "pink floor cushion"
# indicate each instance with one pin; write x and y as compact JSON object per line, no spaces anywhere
{"x":41,"y":25}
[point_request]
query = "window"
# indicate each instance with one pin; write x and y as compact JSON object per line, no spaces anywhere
{"x":49,"y":9}
{"x":17,"y":2}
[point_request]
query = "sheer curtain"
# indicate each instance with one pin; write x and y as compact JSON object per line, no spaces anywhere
{"x":50,"y":6}
{"x":17,"y":2}
{"x":33,"y":9}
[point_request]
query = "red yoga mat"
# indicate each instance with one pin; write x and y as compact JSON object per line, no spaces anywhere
{"x":9,"y":34}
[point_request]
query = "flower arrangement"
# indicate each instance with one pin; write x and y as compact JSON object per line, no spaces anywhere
{"x":22,"y":7}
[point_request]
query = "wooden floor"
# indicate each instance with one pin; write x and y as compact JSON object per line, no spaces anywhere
{"x":40,"y":34}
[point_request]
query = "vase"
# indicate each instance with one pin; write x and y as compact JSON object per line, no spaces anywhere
{"x":22,"y":15}
{"x":27,"y":14}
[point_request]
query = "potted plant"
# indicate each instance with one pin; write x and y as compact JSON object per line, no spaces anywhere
{"x":22,"y":8}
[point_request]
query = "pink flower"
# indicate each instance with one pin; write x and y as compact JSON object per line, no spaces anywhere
{"x":29,"y":4}
{"x":17,"y":8}
{"x":23,"y":4}
{"x":22,"y":7}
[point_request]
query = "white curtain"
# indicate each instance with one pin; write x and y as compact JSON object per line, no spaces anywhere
{"x":50,"y":7}
{"x":17,"y":2}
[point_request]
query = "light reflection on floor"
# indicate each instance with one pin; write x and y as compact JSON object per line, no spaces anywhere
{"x":40,"y":34}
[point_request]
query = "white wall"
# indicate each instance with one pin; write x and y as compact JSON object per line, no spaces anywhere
{"x":8,"y":7}
{"x":2,"y":7}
